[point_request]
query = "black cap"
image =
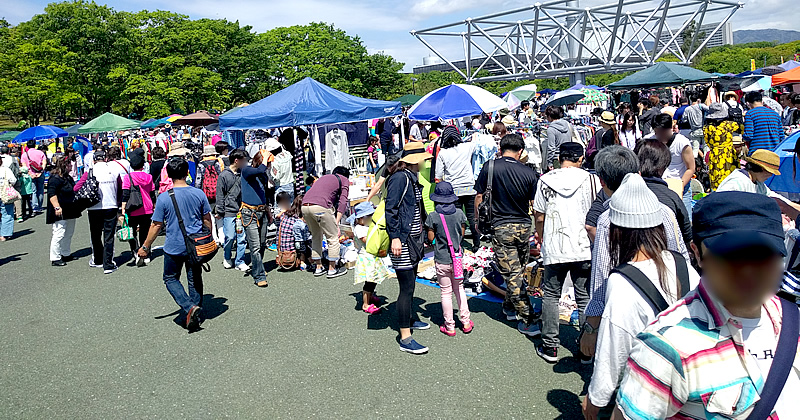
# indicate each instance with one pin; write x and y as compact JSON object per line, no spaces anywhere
{"x":570,"y":149}
{"x":137,"y":160}
{"x":731,"y":221}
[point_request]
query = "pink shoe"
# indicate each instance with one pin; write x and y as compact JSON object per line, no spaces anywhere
{"x":372,"y":309}
{"x":468,"y":327}
{"x":449,"y":333}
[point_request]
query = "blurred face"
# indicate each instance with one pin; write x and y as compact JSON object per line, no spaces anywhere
{"x":663,"y":134}
{"x":746,"y":280}
{"x":365,"y":221}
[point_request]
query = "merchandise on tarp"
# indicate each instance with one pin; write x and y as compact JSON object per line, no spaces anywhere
{"x":307,"y":102}
{"x":522,"y":93}
{"x":40,"y":132}
{"x":196,"y":119}
{"x":455,"y":101}
{"x":108,"y":122}
{"x":791,"y":64}
{"x":408,"y":100}
{"x":662,"y":74}
{"x":787,"y":181}
{"x":787,"y":77}
{"x":565,"y":97}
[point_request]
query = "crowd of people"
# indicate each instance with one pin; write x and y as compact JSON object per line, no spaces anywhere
{"x":616,"y":218}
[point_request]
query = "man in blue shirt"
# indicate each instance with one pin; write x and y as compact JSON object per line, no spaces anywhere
{"x":196,"y":212}
{"x":762,"y":126}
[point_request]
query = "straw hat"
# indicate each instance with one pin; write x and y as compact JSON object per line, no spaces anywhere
{"x":737,"y":140}
{"x":508,"y":120}
{"x":608,"y":118}
{"x":766,"y":159}
{"x":414,"y":153}
{"x":177,"y":149}
{"x":186,"y":136}
{"x":729,"y":94}
{"x":209,"y":151}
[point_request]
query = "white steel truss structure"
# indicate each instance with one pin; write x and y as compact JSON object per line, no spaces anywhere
{"x":559,"y":38}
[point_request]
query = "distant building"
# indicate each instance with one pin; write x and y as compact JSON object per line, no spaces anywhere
{"x":723,"y":37}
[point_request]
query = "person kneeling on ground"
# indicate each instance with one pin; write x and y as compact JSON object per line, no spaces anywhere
{"x":195,"y":212}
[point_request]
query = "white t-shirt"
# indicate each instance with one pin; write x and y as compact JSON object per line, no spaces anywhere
{"x":88,"y":159}
{"x":760,"y":341}
{"x":107,"y":174}
{"x":360,"y":231}
{"x":677,"y":167}
{"x":627,"y":314}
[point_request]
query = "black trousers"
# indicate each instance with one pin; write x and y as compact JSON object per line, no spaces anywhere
{"x":468,"y":203}
{"x":407,"y":280}
{"x":102,"y":226}
{"x":141,"y":226}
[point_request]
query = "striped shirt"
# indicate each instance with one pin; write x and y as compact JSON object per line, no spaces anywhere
{"x":762,"y":129}
{"x":692,"y":363}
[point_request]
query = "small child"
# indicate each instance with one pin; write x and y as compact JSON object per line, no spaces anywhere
{"x":369,"y":268}
{"x":294,"y":234}
{"x":372,"y":154}
{"x":455,"y":224}
{"x":26,"y":191}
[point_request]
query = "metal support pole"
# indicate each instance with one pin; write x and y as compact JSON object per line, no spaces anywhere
{"x":657,"y":39}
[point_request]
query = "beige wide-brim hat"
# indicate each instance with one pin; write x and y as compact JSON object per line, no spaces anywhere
{"x":766,"y":159}
{"x":177,"y":149}
{"x":414,"y":153}
{"x":209,"y":151}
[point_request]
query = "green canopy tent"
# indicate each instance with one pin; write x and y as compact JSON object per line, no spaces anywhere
{"x":8,"y":135}
{"x":408,"y":100}
{"x":108,"y":122}
{"x":660,"y":75}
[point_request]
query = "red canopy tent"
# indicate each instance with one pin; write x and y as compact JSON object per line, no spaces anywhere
{"x":787,"y":77}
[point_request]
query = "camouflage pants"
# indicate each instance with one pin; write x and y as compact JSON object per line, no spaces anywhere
{"x":511,"y":250}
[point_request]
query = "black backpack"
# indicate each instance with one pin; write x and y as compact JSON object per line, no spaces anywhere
{"x":735,"y":113}
{"x":645,"y":287}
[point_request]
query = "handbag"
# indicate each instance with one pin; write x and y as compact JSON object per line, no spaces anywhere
{"x":125,"y":233}
{"x":286,"y":260}
{"x":8,"y":194}
{"x":458,"y":263}
{"x":201,"y":246}
{"x":34,"y":165}
{"x":377,"y":237}
{"x":135,"y":200}
{"x":485,"y":207}
{"x":89,"y":193}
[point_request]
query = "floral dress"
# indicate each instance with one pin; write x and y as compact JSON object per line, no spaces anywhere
{"x":722,"y":158}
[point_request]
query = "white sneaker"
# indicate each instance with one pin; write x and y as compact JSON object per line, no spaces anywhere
{"x":93,"y":265}
{"x":226,"y":264}
{"x":243,"y":267}
{"x":110,"y":271}
{"x":146,"y":261}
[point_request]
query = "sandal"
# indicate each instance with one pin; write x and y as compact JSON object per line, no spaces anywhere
{"x":449,"y":333}
{"x":467,"y":328}
{"x":262,"y":283}
{"x":372,"y":309}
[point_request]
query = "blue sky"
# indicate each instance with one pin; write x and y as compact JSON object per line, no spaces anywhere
{"x":382,"y":25}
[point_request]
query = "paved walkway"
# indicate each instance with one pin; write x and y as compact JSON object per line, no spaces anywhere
{"x":80,"y":344}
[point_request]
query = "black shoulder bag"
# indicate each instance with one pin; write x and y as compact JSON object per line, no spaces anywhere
{"x":645,"y":287}
{"x":485,"y":207}
{"x":135,"y":200}
{"x":201,"y":246}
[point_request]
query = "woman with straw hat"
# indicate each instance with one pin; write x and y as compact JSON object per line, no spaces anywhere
{"x":404,"y":217}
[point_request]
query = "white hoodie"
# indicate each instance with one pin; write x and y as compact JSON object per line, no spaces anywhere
{"x":565,"y":196}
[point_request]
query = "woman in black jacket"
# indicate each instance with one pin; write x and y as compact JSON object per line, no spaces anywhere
{"x":404,"y":218}
{"x":62,"y":211}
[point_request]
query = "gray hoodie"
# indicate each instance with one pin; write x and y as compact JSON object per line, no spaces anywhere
{"x":229,"y":193}
{"x":558,"y":132}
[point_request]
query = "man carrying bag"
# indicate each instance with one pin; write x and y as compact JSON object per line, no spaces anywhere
{"x":186,"y":213}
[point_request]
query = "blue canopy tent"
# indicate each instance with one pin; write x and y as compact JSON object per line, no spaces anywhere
{"x":40,"y":132}
{"x":787,"y":181}
{"x":307,"y":102}
{"x":547,"y":91}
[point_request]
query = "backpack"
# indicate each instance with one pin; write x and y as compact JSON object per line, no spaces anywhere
{"x":377,"y":243}
{"x":735,"y":113}
{"x":645,"y":287}
{"x":210,"y":177}
{"x":485,"y":207}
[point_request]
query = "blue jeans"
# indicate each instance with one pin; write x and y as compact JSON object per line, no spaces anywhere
{"x":38,"y":193}
{"x":687,"y":199}
{"x":7,"y":221}
{"x":255,"y":230}
{"x":229,"y":227}
{"x":173,"y":264}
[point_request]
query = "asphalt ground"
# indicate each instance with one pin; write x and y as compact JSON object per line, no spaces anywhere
{"x":80,"y":344}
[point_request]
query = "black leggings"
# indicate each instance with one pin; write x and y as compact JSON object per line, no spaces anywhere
{"x":468,"y":201}
{"x":141,"y":227}
{"x":369,"y":287}
{"x":408,"y":281}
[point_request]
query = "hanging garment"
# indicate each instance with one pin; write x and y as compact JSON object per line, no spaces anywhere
{"x":299,"y":166}
{"x":337,"y":152}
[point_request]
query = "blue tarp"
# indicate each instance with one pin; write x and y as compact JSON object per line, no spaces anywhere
{"x":307,"y":102}
{"x":787,"y":181}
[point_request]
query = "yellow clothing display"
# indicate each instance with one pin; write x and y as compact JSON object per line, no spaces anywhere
{"x":722,"y":158}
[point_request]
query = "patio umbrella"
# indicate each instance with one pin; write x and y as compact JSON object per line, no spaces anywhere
{"x":73,"y":131}
{"x":173,"y":117}
{"x":522,"y":93}
{"x":197,"y":119}
{"x":8,"y":135}
{"x":455,"y":101}
{"x":108,"y":122}
{"x":408,"y":100}
{"x":40,"y":132}
{"x":547,"y":91}
{"x":565,"y":97}
{"x":772,"y":70}
{"x":789,"y":65}
{"x":592,"y":96}
{"x":212,"y":127}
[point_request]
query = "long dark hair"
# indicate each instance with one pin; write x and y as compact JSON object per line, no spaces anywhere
{"x":60,"y":167}
{"x":627,"y":242}
{"x":396,"y":167}
{"x":628,"y":116}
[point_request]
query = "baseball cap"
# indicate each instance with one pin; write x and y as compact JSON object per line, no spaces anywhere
{"x":731,"y":221}
{"x":570,"y":149}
